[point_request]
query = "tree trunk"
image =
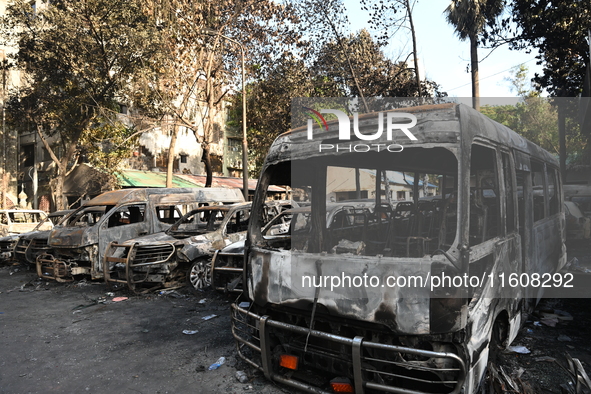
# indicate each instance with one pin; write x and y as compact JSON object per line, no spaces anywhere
{"x":414,"y":46}
{"x":57,"y":186}
{"x":206,"y":160}
{"x":346,"y":55}
{"x":562,"y":138}
{"x":171,"y":149}
{"x":58,"y":193}
{"x":60,"y":200}
{"x":474,"y":70}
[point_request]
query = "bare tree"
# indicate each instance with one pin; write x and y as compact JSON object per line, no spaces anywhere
{"x":201,"y":67}
{"x":388,"y":18}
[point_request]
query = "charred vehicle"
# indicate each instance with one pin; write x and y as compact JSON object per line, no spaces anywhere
{"x":578,"y":226}
{"x":227,"y":264}
{"x":19,"y":221}
{"x":419,"y":308}
{"x":78,"y":244}
{"x":15,"y":223}
{"x":581,"y":195}
{"x":30,"y":245}
{"x":181,"y":254}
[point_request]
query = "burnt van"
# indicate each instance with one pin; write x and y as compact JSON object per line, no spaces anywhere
{"x":77,"y":244}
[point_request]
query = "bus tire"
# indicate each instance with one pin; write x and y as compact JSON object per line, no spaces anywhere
{"x":498,"y":336}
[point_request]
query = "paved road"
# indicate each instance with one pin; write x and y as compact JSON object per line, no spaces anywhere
{"x":56,"y":338}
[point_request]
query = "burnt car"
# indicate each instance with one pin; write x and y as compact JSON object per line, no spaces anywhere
{"x":7,"y":245}
{"x":35,"y":243}
{"x":33,"y":220}
{"x":181,"y":254}
{"x":19,"y":221}
{"x":343,"y":220}
{"x":577,"y":225}
{"x":77,"y":245}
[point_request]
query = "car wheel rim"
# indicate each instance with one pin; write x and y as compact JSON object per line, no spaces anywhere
{"x":199,"y":275}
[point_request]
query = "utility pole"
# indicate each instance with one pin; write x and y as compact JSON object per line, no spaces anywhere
{"x":5,"y":139}
{"x":244,"y":141}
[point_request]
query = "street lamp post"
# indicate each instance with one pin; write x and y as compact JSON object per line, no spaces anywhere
{"x":244,"y":142}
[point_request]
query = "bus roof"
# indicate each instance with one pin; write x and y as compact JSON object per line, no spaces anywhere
{"x":437,"y":125}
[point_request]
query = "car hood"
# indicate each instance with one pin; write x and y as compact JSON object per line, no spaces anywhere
{"x":73,"y":237}
{"x":9,"y":238}
{"x":162,"y":237}
{"x":37,"y":235}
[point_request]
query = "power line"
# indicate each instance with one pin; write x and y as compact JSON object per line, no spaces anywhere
{"x":490,"y":76}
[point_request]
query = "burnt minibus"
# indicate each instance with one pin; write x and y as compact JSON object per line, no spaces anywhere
{"x":426,"y":287}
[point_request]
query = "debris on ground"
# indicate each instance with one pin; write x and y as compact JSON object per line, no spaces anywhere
{"x":241,"y":376}
{"x":580,"y":379}
{"x":519,"y":349}
{"x":190,"y":332}
{"x":575,"y":265}
{"x":545,"y":359}
{"x":217,"y":364}
{"x":93,"y":302}
{"x":171,"y":293}
{"x":500,"y":381}
{"x":549,"y":322}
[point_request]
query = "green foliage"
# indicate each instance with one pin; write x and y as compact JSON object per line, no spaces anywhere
{"x":204,"y":43}
{"x":326,"y":75}
{"x":80,"y":59}
{"x":106,"y":144}
{"x":558,"y":29}
{"x":536,"y":118}
{"x":469,"y":17}
{"x":377,"y":74}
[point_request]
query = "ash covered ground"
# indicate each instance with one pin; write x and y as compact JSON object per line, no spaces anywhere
{"x":74,"y":338}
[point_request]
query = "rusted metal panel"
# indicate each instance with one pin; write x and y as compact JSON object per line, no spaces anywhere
{"x":115,"y":196}
{"x":288,"y":279}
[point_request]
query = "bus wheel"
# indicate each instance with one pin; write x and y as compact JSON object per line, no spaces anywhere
{"x":199,"y":275}
{"x":499,"y":335}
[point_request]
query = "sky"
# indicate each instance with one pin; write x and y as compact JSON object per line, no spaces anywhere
{"x":444,"y":58}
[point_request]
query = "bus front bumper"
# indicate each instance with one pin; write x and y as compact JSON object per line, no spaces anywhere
{"x":367,"y":365}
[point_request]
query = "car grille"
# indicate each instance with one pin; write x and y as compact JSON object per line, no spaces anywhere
{"x":152,"y":254}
